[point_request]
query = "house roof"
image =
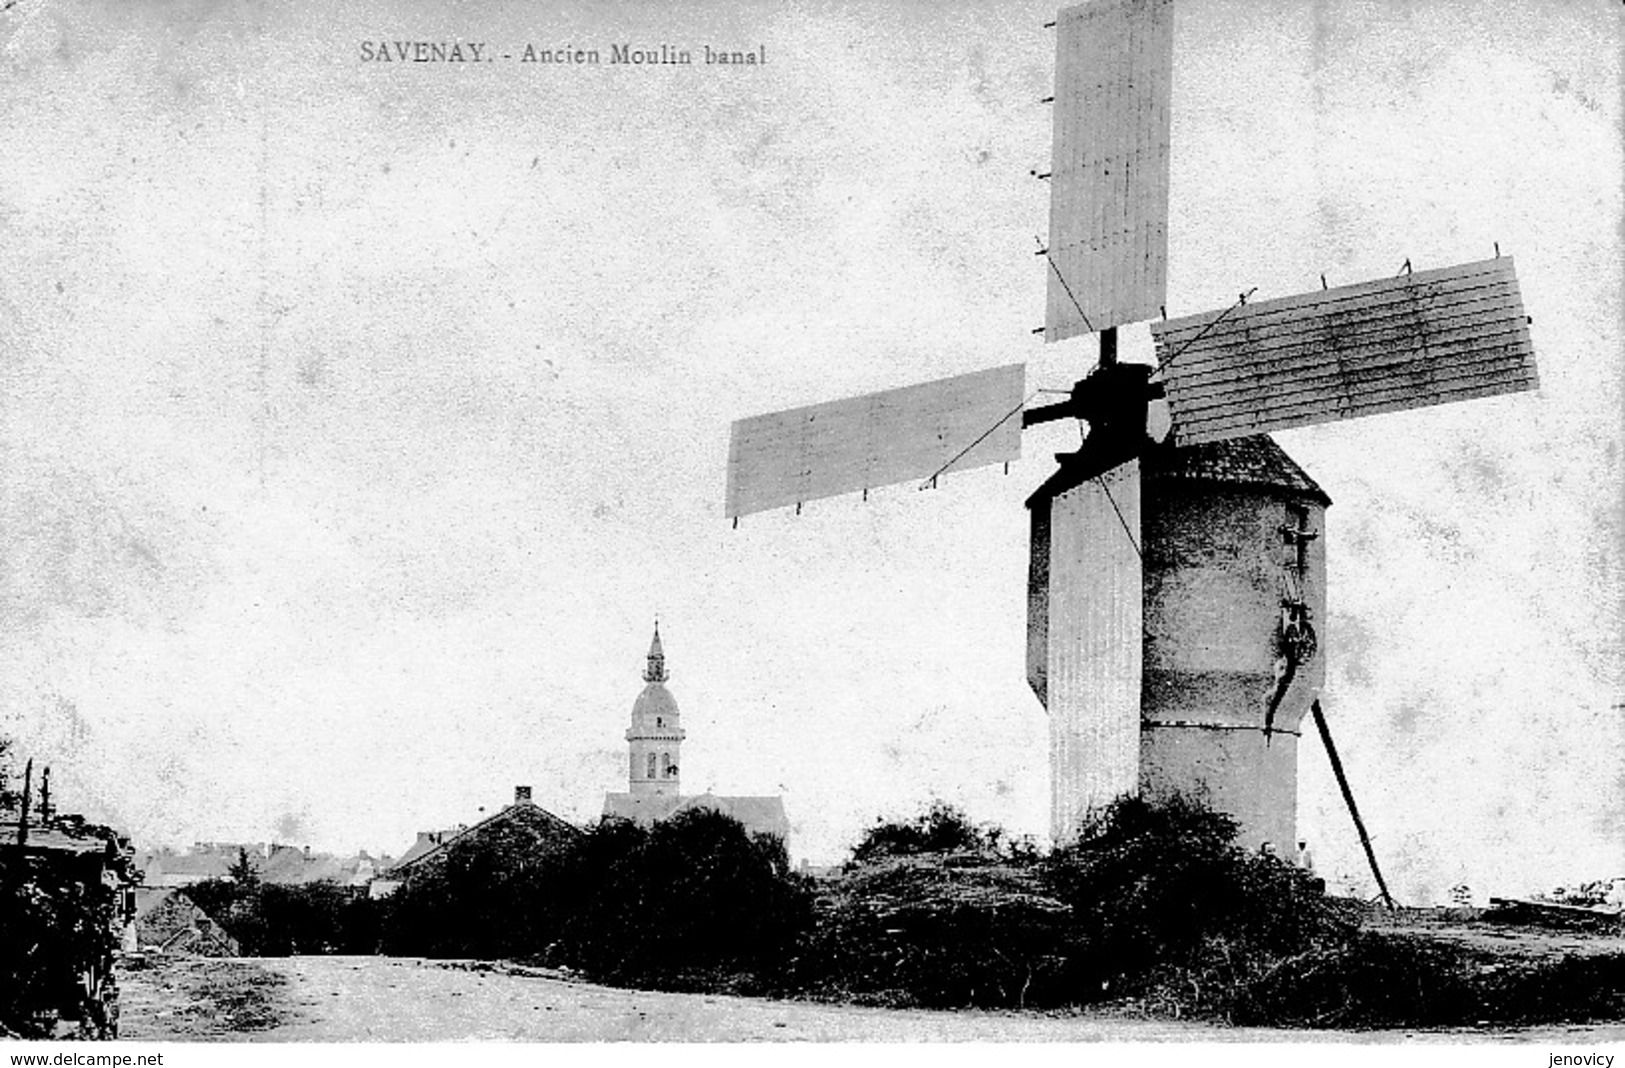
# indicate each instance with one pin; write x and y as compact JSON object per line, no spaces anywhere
{"x":168,"y":918}
{"x":425,"y":842}
{"x":148,"y":898}
{"x":518,"y":808}
{"x":201,"y":865}
{"x":286,"y":865}
{"x":291,"y":865}
{"x":1251,"y":461}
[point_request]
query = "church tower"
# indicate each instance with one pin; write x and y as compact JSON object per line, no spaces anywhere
{"x":653,"y":744}
{"x":655,"y":736}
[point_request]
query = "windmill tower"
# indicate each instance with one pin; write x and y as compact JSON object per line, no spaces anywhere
{"x":1176,"y":565}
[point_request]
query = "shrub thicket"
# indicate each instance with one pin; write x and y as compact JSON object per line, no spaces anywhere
{"x":1154,"y":905}
{"x":273,"y":920}
{"x":1154,"y":901}
{"x":53,"y":926}
{"x":693,"y":901}
{"x":934,"y":911}
{"x":1382,"y":979}
{"x":940,"y":829}
{"x":497,"y":895}
{"x":936,"y":930}
{"x":56,"y":925}
{"x":1165,"y":904}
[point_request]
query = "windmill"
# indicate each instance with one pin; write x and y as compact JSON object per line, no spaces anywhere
{"x":1176,"y":567}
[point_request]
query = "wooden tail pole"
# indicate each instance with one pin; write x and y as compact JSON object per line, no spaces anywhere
{"x":1348,"y":798}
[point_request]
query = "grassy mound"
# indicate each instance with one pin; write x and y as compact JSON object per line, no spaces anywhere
{"x":936,"y":930}
{"x":1384,"y":978}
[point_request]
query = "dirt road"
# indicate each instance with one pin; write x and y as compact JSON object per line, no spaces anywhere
{"x":382,"y":999}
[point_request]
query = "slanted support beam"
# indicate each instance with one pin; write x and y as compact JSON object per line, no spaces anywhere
{"x":1348,"y":798}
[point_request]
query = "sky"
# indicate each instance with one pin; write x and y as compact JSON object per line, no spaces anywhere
{"x":358,"y":419}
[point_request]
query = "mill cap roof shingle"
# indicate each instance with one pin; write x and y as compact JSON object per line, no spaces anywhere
{"x":1251,"y":461}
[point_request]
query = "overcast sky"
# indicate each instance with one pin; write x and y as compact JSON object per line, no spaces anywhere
{"x":357,"y":419}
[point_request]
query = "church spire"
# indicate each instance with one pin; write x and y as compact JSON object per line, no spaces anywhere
{"x":656,"y":671}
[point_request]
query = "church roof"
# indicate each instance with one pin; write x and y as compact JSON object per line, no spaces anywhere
{"x":655,"y":700}
{"x":1251,"y":461}
{"x":656,"y":670}
{"x":759,"y":814}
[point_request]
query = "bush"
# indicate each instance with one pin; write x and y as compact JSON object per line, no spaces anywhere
{"x":494,"y":896}
{"x":1164,"y":904}
{"x":316,"y":918}
{"x":1377,"y":979}
{"x":691,"y":901}
{"x":941,"y":829}
{"x":53,"y":925}
{"x":1154,"y":901}
{"x":275,"y":920}
{"x":937,"y":912}
{"x":936,"y":930}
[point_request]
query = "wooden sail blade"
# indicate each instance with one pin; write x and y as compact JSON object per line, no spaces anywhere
{"x":877,"y":439}
{"x":1432,"y":337}
{"x":1108,"y":222}
{"x":1085,"y":629}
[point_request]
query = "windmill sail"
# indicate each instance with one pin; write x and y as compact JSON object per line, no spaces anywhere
{"x":1084,"y":639}
{"x":1420,"y":339}
{"x":1108,"y":221}
{"x":877,"y":439}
